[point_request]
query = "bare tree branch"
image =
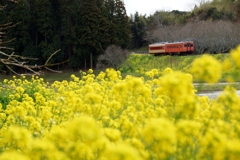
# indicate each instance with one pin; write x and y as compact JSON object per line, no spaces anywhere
{"x":51,"y":56}
{"x":12,"y":60}
{"x":209,"y":36}
{"x":14,"y":1}
{"x":6,"y":26}
{"x":114,"y":56}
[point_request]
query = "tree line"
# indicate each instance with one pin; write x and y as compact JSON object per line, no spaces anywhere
{"x":213,"y":25}
{"x":79,"y":28}
{"x":84,"y":29}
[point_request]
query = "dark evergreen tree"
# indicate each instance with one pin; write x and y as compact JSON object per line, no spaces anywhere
{"x":138,"y":24}
{"x":57,"y":16}
{"x":100,"y":3}
{"x":3,"y":14}
{"x":44,"y":28}
{"x":122,"y":21}
{"x":68,"y":12}
{"x":92,"y":32}
{"x":20,"y":15}
{"x":119,"y":23}
{"x":44,"y":20}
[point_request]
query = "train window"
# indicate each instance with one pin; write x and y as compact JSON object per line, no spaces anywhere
{"x":155,"y":48}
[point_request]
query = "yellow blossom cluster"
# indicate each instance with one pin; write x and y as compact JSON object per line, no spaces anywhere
{"x":106,"y":117}
{"x":207,"y":69}
{"x":235,"y":54}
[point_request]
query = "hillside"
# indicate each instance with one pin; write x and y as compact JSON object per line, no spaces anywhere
{"x":214,"y":26}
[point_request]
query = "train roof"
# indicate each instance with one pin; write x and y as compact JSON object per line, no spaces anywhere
{"x":169,"y":42}
{"x":160,"y":43}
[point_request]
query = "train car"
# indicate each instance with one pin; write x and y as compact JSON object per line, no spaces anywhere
{"x":157,"y":48}
{"x":180,"y":47}
{"x":184,"y":47}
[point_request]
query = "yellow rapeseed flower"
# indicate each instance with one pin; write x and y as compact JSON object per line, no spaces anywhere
{"x":20,"y":90}
{"x":160,"y":137}
{"x":84,"y":129}
{"x":112,"y":134}
{"x":206,"y":68}
{"x":235,"y":54}
{"x":16,"y":155}
{"x":16,"y":138}
{"x":121,"y":151}
{"x":44,"y":148}
{"x":110,"y":117}
{"x":35,"y":127}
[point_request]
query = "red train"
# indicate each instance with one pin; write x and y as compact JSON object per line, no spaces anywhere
{"x":166,"y":48}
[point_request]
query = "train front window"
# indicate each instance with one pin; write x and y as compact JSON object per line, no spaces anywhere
{"x":188,"y":45}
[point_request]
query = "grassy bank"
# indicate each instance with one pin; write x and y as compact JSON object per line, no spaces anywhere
{"x":47,"y":76}
{"x":139,"y":64}
{"x":204,"y":88}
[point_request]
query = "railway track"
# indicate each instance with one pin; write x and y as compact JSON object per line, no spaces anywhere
{"x":141,"y":52}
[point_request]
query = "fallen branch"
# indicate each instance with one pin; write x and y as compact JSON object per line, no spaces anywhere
{"x":6,"y":26}
{"x":51,"y":56}
{"x":3,"y":7}
{"x":12,"y":61}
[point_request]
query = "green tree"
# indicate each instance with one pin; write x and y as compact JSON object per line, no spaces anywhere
{"x":138,"y":26}
{"x":3,"y":16}
{"x":20,"y":14}
{"x":56,"y":16}
{"x":92,"y":33}
{"x":237,"y":7}
{"x":119,"y":23}
{"x":100,"y":3}
{"x":44,"y":28}
{"x":44,"y":20}
{"x":68,"y":12}
{"x":217,"y":10}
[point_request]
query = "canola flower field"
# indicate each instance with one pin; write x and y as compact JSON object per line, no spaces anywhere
{"x":108,"y":117}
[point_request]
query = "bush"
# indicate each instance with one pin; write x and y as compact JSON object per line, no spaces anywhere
{"x":113,"y":57}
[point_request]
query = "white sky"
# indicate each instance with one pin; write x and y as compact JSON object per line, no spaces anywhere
{"x":150,"y":6}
